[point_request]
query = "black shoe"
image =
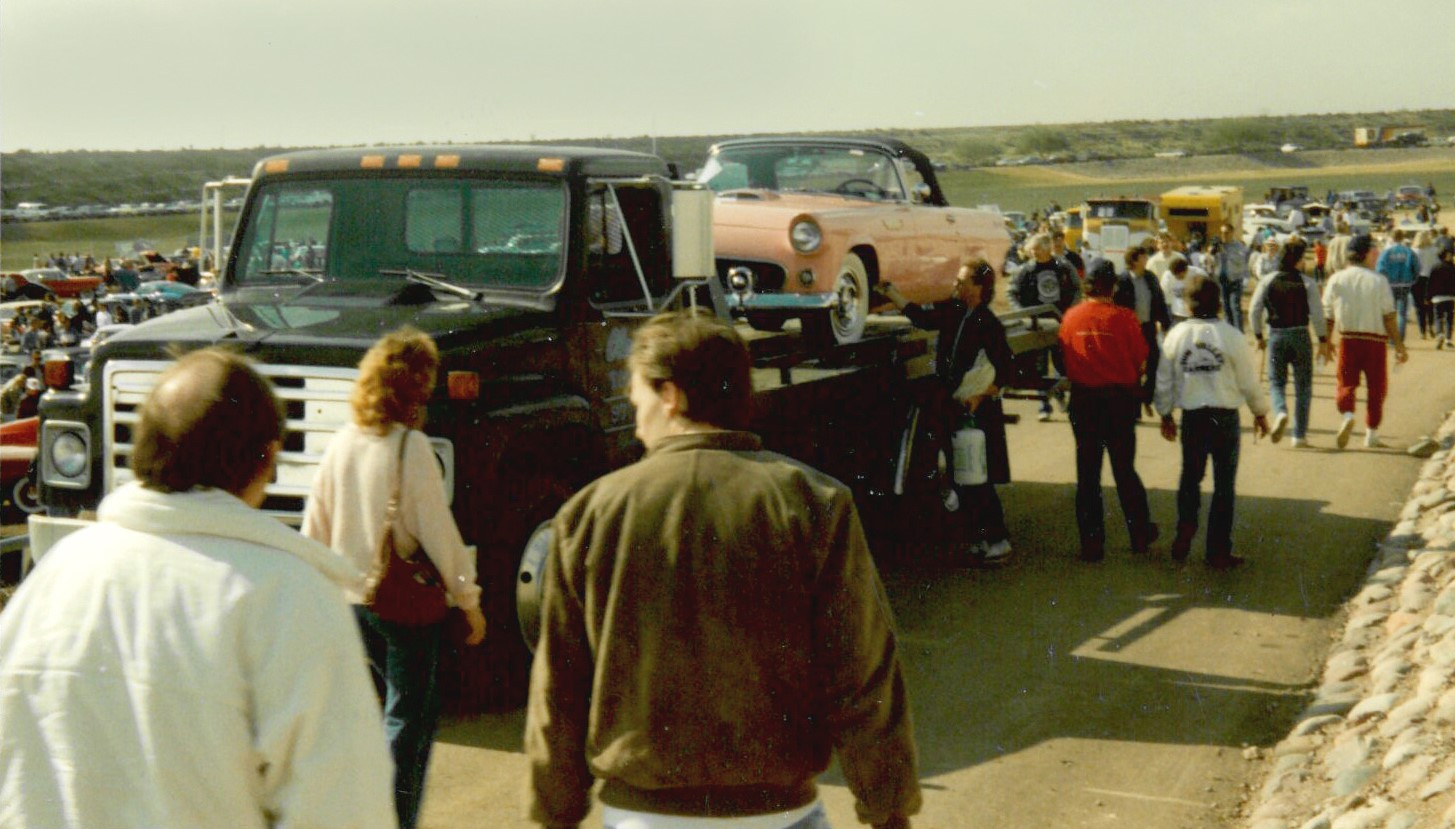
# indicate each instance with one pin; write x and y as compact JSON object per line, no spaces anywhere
{"x":1224,"y":561}
{"x":1092,"y":551}
{"x":1143,"y":539}
{"x":1182,"y":544}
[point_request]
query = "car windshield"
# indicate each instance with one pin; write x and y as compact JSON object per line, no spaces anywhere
{"x":1120,"y":210}
{"x":488,"y":233}
{"x":853,"y":171}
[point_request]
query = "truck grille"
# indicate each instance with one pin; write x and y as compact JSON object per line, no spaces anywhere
{"x":317,"y":404}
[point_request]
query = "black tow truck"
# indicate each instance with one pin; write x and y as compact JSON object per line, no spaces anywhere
{"x":530,"y":266}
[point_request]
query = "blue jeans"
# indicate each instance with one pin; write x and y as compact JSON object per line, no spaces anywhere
{"x":405,"y":659}
{"x":1215,"y":434}
{"x":1233,"y":303}
{"x":1291,"y":347}
{"x":1401,"y":307}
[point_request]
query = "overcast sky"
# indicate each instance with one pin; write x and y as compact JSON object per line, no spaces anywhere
{"x":161,"y":74}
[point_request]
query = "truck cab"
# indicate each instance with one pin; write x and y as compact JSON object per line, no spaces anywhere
{"x":529,"y":266}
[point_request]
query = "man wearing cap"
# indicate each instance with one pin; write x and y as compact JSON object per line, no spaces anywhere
{"x":1105,"y":355}
{"x":1361,"y":305}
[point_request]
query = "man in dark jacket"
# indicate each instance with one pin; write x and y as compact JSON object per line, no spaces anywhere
{"x":1139,"y":290}
{"x":712,"y":621}
{"x":1046,"y":279}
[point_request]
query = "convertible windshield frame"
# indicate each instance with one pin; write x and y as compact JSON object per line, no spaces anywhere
{"x":483,"y":232}
{"x":807,"y":168}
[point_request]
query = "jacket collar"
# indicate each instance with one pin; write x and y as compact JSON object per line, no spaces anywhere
{"x":725,"y":440}
{"x":220,"y":514}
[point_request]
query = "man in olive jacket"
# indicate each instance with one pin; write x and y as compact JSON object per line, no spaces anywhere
{"x":712,"y":623}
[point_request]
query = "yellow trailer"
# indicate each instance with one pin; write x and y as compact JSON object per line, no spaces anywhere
{"x":1200,"y":211}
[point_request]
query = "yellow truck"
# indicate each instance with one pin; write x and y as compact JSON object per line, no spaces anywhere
{"x":1112,"y":225}
{"x":1200,"y":211}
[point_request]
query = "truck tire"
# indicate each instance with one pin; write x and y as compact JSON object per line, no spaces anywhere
{"x":844,"y":321}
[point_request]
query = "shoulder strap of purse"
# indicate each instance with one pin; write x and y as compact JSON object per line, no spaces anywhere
{"x":391,"y":509}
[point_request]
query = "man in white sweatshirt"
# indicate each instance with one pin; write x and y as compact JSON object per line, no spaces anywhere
{"x":1208,"y":371}
{"x":188,"y":660}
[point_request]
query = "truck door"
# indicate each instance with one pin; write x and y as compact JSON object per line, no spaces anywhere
{"x":628,"y":278}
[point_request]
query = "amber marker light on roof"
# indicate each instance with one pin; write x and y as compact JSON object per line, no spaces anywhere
{"x":446,"y":162}
{"x":277,"y":165}
{"x":372,"y":162}
{"x":551,"y":165}
{"x":463,"y":385}
{"x":409,"y":161}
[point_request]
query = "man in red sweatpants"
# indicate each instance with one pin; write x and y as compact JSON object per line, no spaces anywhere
{"x":1361,"y":304}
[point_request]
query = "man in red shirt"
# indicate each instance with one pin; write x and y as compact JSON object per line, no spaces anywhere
{"x":1105,"y":356}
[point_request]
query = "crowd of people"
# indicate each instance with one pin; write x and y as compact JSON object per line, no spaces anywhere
{"x":170,"y":629}
{"x":1167,"y":329}
{"x":189,"y":661}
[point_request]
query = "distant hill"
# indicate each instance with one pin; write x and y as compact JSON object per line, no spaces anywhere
{"x":87,"y":177}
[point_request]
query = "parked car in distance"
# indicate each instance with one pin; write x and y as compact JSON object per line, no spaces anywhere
{"x":58,"y":282}
{"x":105,"y":333}
{"x":1409,"y":197}
{"x":806,"y":227}
{"x":17,"y":452}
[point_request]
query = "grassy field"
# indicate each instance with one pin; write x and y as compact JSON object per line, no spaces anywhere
{"x":1012,"y":188}
{"x":20,"y":242}
{"x":1032,"y":188}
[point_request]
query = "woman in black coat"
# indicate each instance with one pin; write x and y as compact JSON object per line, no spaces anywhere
{"x":967,"y":327}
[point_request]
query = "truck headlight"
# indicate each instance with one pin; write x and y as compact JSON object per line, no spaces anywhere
{"x":805,"y":236}
{"x":68,"y":455}
{"x":66,"y":462}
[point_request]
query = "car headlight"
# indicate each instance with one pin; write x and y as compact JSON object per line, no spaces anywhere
{"x":805,"y":235}
{"x":68,"y":455}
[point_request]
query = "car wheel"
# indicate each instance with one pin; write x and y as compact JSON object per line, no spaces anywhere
{"x":843,"y":321}
{"x":25,"y":495}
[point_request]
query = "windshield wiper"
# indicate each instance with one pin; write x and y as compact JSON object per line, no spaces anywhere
{"x":312,"y":274}
{"x":435,"y":281}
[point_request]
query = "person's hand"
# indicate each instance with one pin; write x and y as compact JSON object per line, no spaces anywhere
{"x":1260,"y":426}
{"x":1326,"y":352}
{"x":1169,"y":428}
{"x":476,"y":620}
{"x":974,"y":402}
{"x":1401,"y":354}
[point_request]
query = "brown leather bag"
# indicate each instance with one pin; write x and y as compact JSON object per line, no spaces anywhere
{"x":405,"y":591}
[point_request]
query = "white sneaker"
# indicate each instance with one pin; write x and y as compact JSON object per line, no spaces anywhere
{"x":1043,"y":417}
{"x":1280,"y":422}
{"x":1297,"y":443}
{"x":950,"y":498}
{"x":1371,"y":439}
{"x":1345,"y":430}
{"x":999,"y":550}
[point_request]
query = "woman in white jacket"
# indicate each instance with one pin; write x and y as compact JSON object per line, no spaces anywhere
{"x":346,"y":511}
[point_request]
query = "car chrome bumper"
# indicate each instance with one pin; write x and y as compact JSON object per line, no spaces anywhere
{"x":780,"y":302}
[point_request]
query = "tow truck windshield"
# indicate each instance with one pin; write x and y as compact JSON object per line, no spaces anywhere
{"x":485,"y":233}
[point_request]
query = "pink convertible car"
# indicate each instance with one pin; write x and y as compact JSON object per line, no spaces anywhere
{"x":806,"y":227}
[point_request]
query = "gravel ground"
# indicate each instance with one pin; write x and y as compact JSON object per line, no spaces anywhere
{"x":1375,"y":748}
